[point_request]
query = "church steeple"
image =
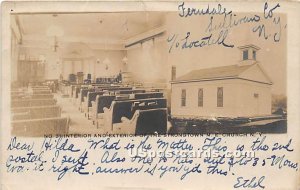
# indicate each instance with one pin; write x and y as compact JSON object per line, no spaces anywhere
{"x":248,"y":54}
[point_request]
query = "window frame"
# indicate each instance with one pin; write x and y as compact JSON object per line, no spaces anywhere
{"x":220,"y":97}
{"x":183,"y":98}
{"x":245,"y":54}
{"x":254,"y":54}
{"x":200,"y":97}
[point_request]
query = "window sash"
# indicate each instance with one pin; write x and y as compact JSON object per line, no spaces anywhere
{"x":245,"y":55}
{"x":200,"y":97}
{"x":183,"y":97}
{"x":220,"y":97}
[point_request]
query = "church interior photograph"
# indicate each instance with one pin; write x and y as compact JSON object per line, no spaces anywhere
{"x":120,"y":73}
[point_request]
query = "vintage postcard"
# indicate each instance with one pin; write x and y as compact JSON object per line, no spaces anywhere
{"x":150,"y":95}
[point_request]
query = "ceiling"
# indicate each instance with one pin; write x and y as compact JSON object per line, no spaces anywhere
{"x":88,"y":27}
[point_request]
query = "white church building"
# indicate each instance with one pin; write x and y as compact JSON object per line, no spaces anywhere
{"x":241,"y":90}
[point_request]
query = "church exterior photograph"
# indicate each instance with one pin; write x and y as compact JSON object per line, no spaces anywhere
{"x":231,"y":98}
{"x":150,"y":95}
{"x":240,"y":90}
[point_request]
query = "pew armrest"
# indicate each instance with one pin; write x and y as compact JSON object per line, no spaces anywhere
{"x":105,"y":109}
{"x":107,"y":120}
{"x":125,"y":120}
{"x":100,"y":116}
{"x":123,"y":128}
{"x":93,"y":103}
{"x":127,"y":126}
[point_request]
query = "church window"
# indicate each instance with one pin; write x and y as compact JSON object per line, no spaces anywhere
{"x":245,"y":55}
{"x":200,"y":97}
{"x":183,"y":97}
{"x":220,"y":97}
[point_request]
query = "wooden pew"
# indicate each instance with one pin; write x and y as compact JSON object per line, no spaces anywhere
{"x":103,"y":85}
{"x":42,"y":92}
{"x":87,"y":104}
{"x":130,"y":91}
{"x":34,"y":96}
{"x":111,"y":89}
{"x":32,"y":102}
{"x":39,"y":88}
{"x":83,"y":93}
{"x":18,"y":90}
{"x":76,"y":94}
{"x":42,"y":96}
{"x":144,"y":122}
{"x":72,"y":90}
{"x":40,"y":127}
{"x":20,"y":116}
{"x":69,"y":91}
{"x":91,"y":96}
{"x":18,"y":97}
{"x":77,"y":89}
{"x":16,"y":93}
{"x":126,"y":108}
{"x":148,"y":95}
{"x":114,"y":88}
{"x":98,"y":107}
{"x":63,"y":88}
{"x":37,"y":112}
{"x":105,"y":101}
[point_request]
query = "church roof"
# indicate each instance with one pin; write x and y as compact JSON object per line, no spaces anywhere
{"x":223,"y":72}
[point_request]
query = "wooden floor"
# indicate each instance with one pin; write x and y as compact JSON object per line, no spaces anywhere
{"x":78,"y":123}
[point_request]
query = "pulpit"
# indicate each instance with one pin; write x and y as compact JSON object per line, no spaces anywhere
{"x":79,"y":77}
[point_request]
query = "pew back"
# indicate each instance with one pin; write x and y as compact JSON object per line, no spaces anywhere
{"x":130,"y":91}
{"x":32,"y":102}
{"x":39,"y":88}
{"x":126,"y":108}
{"x":16,"y":93}
{"x":76,"y":91}
{"x":152,"y":121}
{"x":37,"y":112}
{"x":148,"y":95}
{"x":73,"y":89}
{"x":104,"y":101}
{"x":42,"y":96}
{"x":40,"y":127}
{"x":91,"y":96}
{"x":18,"y":97}
{"x":42,"y":92}
{"x":84,"y":92}
{"x":118,"y":88}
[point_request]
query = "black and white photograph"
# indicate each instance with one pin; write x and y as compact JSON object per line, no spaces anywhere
{"x":150,"y":95}
{"x":147,"y":73}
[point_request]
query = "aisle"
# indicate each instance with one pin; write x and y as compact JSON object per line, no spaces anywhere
{"x":78,"y":123}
